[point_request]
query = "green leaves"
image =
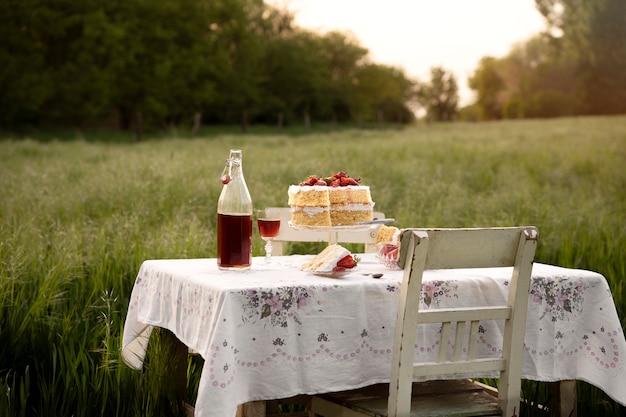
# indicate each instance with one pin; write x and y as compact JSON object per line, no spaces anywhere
{"x":575,"y":67}
{"x":126,"y":63}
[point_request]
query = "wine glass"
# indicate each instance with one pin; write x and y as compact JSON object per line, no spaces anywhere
{"x":268,"y":221}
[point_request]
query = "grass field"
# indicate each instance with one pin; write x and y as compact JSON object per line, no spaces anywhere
{"x":79,"y":215}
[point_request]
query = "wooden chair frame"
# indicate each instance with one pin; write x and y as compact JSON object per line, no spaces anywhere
{"x":423,"y":249}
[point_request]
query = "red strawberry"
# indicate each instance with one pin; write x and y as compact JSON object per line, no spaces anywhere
{"x":340,"y":174}
{"x":335,"y":183}
{"x":321,"y":182}
{"x":339,"y":269}
{"x":312,"y":180}
{"x":344,"y":181}
{"x":347,"y":262}
{"x":388,"y":247}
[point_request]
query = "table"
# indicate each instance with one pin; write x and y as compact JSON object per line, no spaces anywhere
{"x":274,"y":331}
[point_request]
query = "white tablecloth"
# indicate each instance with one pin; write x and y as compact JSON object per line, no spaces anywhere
{"x":274,"y":331}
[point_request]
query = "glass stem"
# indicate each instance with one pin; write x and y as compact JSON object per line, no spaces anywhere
{"x":268,"y":249}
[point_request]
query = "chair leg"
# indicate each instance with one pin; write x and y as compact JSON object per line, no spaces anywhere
{"x":251,"y":409}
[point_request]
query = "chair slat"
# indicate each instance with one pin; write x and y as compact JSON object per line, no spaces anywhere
{"x":443,"y":341}
{"x":459,"y":336}
{"x":458,"y":368}
{"x":473,"y":340}
{"x":462,"y":314}
{"x":472,"y":248}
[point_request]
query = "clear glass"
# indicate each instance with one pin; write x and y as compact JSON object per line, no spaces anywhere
{"x":268,"y":222}
{"x":234,"y":217}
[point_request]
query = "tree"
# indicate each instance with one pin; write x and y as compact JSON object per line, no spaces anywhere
{"x":440,"y":96}
{"x":24,"y":78}
{"x":538,"y":81}
{"x":592,"y":33}
{"x":160,"y":66}
{"x":236,"y":27}
{"x":46,"y":70}
{"x":140,"y":62}
{"x":488,"y":85}
{"x":294,"y":76}
{"x":341,"y":54}
{"x":381,"y":92}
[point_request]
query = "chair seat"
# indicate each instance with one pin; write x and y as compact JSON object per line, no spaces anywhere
{"x":462,"y":398}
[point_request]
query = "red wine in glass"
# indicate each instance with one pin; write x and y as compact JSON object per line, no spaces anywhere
{"x":269,"y":226}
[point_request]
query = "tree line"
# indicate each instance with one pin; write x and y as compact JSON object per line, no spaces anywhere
{"x":140,"y":63}
{"x":577,"y":66}
{"x":134,"y":63}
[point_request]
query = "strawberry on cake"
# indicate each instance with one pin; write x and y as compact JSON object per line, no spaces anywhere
{"x":333,"y":259}
{"x":338,"y":200}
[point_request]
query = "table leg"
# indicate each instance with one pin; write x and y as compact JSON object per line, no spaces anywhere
{"x":563,"y":398}
{"x":178,"y":352}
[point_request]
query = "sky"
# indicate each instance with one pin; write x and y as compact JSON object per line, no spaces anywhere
{"x":419,"y":34}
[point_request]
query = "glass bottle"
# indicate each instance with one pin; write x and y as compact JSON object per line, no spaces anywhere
{"x":234,"y":217}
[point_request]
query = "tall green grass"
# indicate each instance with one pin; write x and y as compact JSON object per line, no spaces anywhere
{"x":78,"y":216}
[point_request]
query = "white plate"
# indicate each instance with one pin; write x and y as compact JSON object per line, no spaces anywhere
{"x":335,"y":274}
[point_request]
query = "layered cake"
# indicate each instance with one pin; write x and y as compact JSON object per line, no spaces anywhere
{"x":333,"y":259}
{"x":338,"y":200}
{"x":310,"y":205}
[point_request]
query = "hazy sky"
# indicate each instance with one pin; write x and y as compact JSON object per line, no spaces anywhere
{"x":419,"y":34}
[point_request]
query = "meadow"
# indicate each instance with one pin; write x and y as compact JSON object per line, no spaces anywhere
{"x":79,"y":215}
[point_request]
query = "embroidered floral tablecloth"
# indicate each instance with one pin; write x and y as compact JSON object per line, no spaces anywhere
{"x":274,"y":331}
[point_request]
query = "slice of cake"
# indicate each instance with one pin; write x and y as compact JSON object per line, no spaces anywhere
{"x":338,"y":200}
{"x":333,"y":259}
{"x":387,"y":234}
{"x":310,"y":205}
{"x":350,"y":205}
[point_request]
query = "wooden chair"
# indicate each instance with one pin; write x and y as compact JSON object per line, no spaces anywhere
{"x":422,"y":249}
{"x":288,"y":234}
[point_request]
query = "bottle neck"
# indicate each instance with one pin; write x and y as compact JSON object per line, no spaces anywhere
{"x":234,"y":167}
{"x":235,"y":197}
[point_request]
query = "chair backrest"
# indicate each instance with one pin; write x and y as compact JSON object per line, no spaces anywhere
{"x":423,"y":249}
{"x":366,"y":236}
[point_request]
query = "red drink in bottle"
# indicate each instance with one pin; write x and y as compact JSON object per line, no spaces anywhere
{"x":232,"y":250}
{"x":234,"y":217}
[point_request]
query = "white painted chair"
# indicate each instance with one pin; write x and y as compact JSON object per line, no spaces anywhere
{"x":449,"y":394}
{"x":366,"y":236}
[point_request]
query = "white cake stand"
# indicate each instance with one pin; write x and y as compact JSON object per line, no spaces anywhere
{"x":333,"y":231}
